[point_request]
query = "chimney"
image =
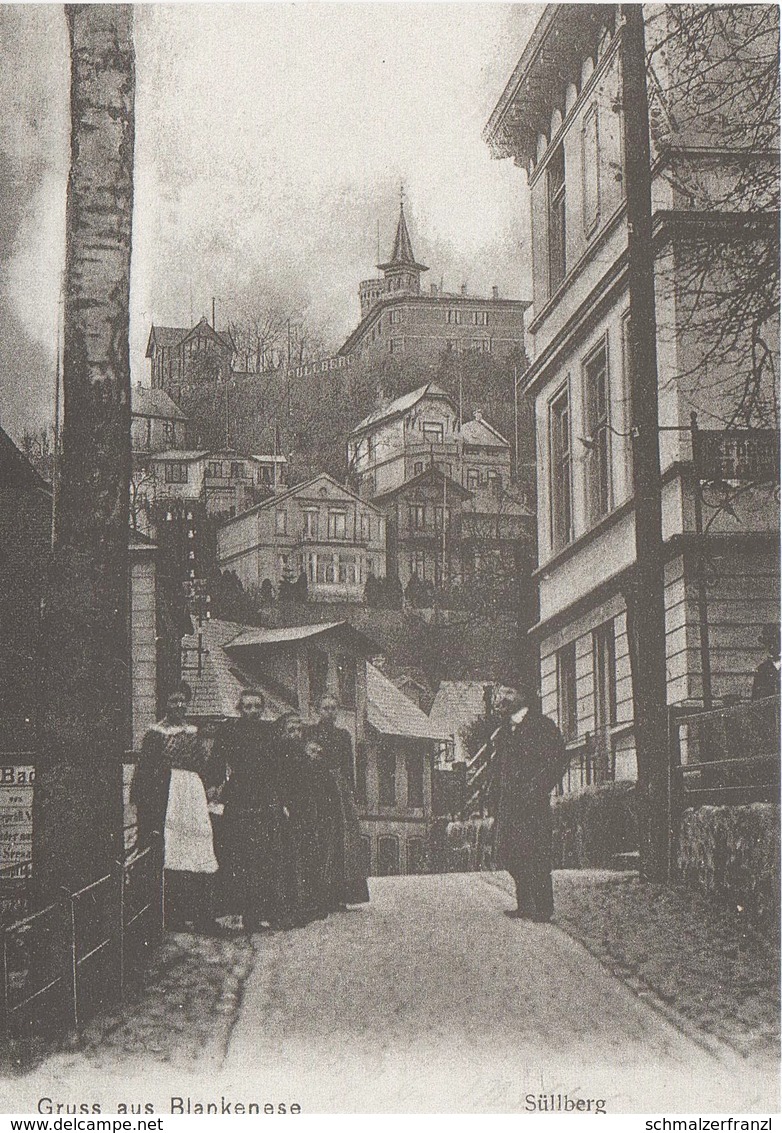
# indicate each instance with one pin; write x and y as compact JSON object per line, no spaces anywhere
{"x":464,"y":289}
{"x":495,"y":292}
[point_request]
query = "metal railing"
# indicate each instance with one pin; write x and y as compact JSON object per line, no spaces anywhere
{"x":60,"y":963}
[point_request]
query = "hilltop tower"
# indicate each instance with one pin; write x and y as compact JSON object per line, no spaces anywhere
{"x":400,"y":274}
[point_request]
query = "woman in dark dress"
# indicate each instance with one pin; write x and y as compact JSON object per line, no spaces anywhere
{"x":348,"y":885}
{"x":299,"y":789}
{"x":327,"y":832}
{"x":254,"y":818}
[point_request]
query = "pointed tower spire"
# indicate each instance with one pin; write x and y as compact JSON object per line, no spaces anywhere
{"x":402,"y":272}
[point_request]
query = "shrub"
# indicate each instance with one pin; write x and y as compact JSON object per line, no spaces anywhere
{"x":593,"y":825}
{"x":733,"y":853}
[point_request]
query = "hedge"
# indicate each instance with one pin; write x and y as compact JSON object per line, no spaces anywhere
{"x":593,"y":825}
{"x":733,"y":853}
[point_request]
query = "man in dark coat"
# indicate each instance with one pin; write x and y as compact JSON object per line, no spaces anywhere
{"x":766,"y":681}
{"x":528,"y":764}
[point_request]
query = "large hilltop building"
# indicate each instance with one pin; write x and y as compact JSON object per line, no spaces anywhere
{"x":398,"y":318}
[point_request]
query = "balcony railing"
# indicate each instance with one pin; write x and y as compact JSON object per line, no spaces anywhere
{"x":350,"y":539}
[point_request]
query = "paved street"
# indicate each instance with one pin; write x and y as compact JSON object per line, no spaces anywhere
{"x":431,"y":1000}
{"x":427,"y":1000}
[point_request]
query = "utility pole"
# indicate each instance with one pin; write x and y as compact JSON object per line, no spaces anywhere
{"x":516,"y":418}
{"x":85,"y":652}
{"x":646,"y":610}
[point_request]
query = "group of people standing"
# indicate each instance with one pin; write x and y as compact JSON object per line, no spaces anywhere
{"x":264,"y":825}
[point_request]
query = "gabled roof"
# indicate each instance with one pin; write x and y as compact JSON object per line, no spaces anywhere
{"x":306,"y":485}
{"x":392,"y":713}
{"x":148,"y":402}
{"x":217,"y":687}
{"x":403,"y":405}
{"x":169,"y":337}
{"x":402,"y":255}
{"x":480,"y":432}
{"x":263,"y":637}
{"x":165,"y":337}
{"x":433,"y":473}
{"x":457,"y":705}
{"x":16,"y":471}
{"x":203,"y":325}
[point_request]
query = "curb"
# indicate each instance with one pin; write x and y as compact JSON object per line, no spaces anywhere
{"x":644,"y":991}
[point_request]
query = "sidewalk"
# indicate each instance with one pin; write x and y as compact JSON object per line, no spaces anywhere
{"x":696,"y":957}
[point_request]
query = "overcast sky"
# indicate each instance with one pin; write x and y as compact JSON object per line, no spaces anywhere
{"x":270,"y":141}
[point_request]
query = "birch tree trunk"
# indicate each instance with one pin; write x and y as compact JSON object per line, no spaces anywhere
{"x":77,"y":820}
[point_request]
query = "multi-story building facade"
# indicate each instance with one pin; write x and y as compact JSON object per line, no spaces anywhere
{"x":444,"y":487}
{"x":225,"y":482}
{"x":560,"y":118}
{"x":399,"y":319}
{"x":319,"y":528}
{"x":441,"y":533}
{"x":421,"y":430}
{"x":180,"y":356}
{"x":157,"y":422}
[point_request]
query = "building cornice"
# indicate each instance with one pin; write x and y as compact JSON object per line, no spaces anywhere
{"x":410,"y":299}
{"x":562,"y":38}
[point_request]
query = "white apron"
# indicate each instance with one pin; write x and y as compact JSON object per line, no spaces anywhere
{"x":188,"y":833}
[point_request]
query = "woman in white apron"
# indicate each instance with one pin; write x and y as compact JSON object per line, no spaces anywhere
{"x":169,"y":792}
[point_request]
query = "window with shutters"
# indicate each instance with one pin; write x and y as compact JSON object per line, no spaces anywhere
{"x":337,"y":525}
{"x":418,"y":517}
{"x":176,"y":472}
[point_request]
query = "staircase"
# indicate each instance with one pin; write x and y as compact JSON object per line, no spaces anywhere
{"x":478,"y":776}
